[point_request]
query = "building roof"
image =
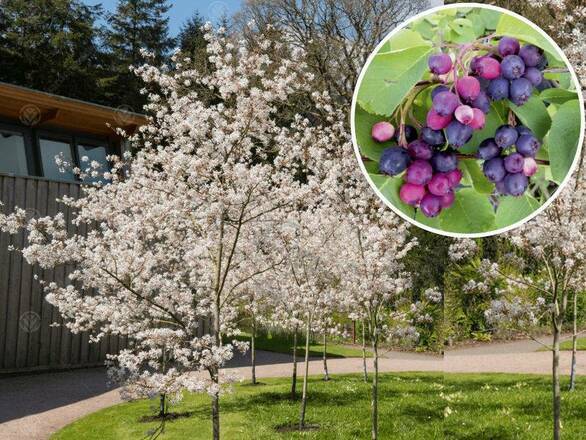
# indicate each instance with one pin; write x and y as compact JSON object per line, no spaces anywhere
{"x":42,"y":109}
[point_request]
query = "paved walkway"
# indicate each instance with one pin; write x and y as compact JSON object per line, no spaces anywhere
{"x":32,"y":407}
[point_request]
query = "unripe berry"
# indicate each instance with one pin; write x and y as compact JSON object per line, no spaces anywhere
{"x":494,"y":169}
{"x":418,"y":149}
{"x":488,"y":68}
{"x":468,"y":88}
{"x":521,"y":90}
{"x":419,"y":172}
{"x":444,"y":161}
{"x":531,"y":55}
{"x":447,"y":200}
{"x":512,"y":67}
{"x":445,"y":103}
{"x":431,"y":205}
{"x":488,"y":149}
{"x":508,"y":46}
{"x":505,"y":136}
{"x":534,"y":75}
{"x":382,"y":131}
{"x":439,"y":185}
{"x":458,"y":134}
{"x":498,"y":89}
{"x":464,"y":114}
{"x":394,"y":160}
{"x":514,"y":163}
{"x":433,"y":137}
{"x":437,"y":122}
{"x":482,"y":102}
{"x":516,"y":184}
{"x":478,"y":120}
{"x":529,"y":166}
{"x":439,"y":63}
{"x":527,"y":145}
{"x":411,"y":194}
{"x":454,"y":177}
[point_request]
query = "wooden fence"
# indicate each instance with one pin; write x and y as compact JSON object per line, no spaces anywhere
{"x":28,"y":342}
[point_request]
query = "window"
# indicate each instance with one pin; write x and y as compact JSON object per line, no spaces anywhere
{"x":13,"y":153}
{"x":93,"y":153}
{"x":53,"y":150}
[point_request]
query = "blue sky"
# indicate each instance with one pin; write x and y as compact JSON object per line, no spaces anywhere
{"x":181,"y":10}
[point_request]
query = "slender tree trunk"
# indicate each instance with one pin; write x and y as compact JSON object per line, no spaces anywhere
{"x":374,"y":401}
{"x":253,"y":350}
{"x":364,"y":369}
{"x":325,"y":357}
{"x":556,"y":381}
{"x":162,"y":411}
{"x":574,"y":342}
{"x":294,"y":375}
{"x":217,"y":336}
{"x":304,"y":392}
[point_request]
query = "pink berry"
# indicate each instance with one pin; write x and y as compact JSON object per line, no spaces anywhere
{"x":419,"y":172}
{"x":439,"y":185}
{"x":468,"y":88}
{"x":454,"y":177}
{"x":464,"y":114}
{"x":447,"y":200}
{"x":411,"y":193}
{"x":437,"y":122}
{"x":478,"y":120}
{"x":529,"y":166}
{"x":431,"y":205}
{"x":439,"y":63}
{"x":383,"y":131}
{"x":488,"y":68}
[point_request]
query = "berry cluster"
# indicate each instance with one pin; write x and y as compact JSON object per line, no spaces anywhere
{"x":509,"y":158}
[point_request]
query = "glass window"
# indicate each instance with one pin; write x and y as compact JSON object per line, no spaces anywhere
{"x":12,"y":153}
{"x":90,"y":155}
{"x":51,"y":151}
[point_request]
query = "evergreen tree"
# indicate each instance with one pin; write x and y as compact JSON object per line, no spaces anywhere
{"x":136,"y":25}
{"x":58,"y":55}
{"x":191,"y":36}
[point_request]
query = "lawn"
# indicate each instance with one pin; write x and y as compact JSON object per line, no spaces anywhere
{"x":283,"y":344}
{"x":413,"y":406}
{"x":567,"y":345}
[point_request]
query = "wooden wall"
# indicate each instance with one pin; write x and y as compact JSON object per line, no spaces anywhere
{"x":28,"y":342}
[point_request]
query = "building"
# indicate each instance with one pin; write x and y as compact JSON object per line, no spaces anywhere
{"x":34,"y":128}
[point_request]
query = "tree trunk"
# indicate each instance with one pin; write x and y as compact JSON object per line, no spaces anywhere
{"x":574,"y":342}
{"x":304,"y":392}
{"x":294,"y":375}
{"x":374,"y":401}
{"x":556,"y":381}
{"x":162,"y":409}
{"x":325,"y":357}
{"x":253,"y":351}
{"x":364,"y":369}
{"x":217,"y":337}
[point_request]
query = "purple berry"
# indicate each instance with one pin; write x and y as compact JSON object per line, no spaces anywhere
{"x":411,"y":193}
{"x":418,"y":149}
{"x":454,"y":177}
{"x":447,"y":200}
{"x":508,"y":46}
{"x":431,"y":205}
{"x":437,"y":122}
{"x":439,"y":185}
{"x":521,"y":90}
{"x":534,"y":75}
{"x":514,"y":163}
{"x":419,"y":172}
{"x":488,"y":68}
{"x":516,"y":184}
{"x":512,"y":67}
{"x":494,"y":169}
{"x":458,"y":134}
{"x":488,"y":149}
{"x":500,"y":187}
{"x":545,"y":84}
{"x":482,"y":102}
{"x":394,"y":160}
{"x":529,"y":166}
{"x":445,"y":103}
{"x":543,"y":63}
{"x":505,"y":136}
{"x":521,"y":129}
{"x":468,"y":88}
{"x":531,"y":55}
{"x":498,"y":89}
{"x":527,"y":145}
{"x":382,"y":131}
{"x":410,"y":133}
{"x":439,"y":89}
{"x":439,"y":63}
{"x":444,"y":161}
{"x":433,"y":137}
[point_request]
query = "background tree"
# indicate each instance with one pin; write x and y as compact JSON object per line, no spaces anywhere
{"x":191,"y":39}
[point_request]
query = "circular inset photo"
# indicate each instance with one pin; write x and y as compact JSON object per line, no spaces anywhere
{"x":467,"y":120}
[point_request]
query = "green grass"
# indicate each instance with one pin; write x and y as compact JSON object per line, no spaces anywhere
{"x":412,"y":406}
{"x":284,"y":344}
{"x":567,"y":345}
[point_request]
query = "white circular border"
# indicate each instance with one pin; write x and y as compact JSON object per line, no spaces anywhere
{"x":440,"y":231}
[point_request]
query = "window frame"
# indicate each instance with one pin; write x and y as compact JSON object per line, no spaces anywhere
{"x":31,"y":164}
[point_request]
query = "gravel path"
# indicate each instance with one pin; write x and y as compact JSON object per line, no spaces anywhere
{"x":34,"y":406}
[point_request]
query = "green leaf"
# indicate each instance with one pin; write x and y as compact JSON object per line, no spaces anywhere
{"x":471,"y":213}
{"x":557,"y":95}
{"x":513,"y":209}
{"x":562,"y":140}
{"x":513,"y":27}
{"x":534,"y":115}
{"x":424,"y":28}
{"x":494,"y":119}
{"x":389,"y":78}
{"x":389,"y":187}
{"x":371,"y":167}
{"x":490,"y":17}
{"x":432,"y":222}
{"x":405,"y":39}
{"x":479,"y":181}
{"x":363,"y":122}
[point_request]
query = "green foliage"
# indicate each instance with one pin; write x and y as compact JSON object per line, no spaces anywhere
{"x":562,"y":140}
